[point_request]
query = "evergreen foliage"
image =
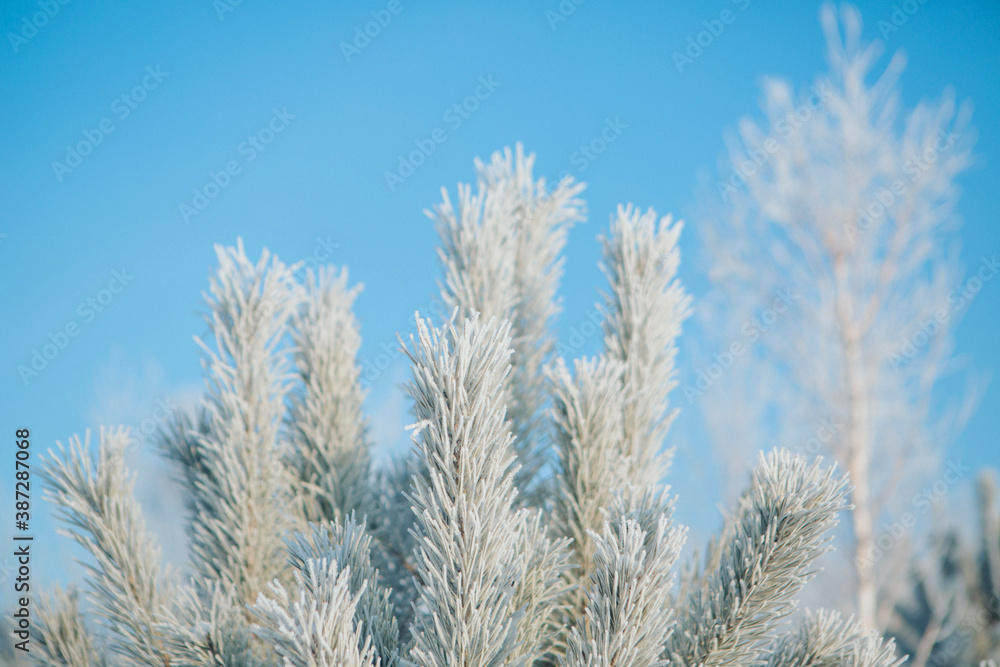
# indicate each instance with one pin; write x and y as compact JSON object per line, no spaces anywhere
{"x":461,"y":557}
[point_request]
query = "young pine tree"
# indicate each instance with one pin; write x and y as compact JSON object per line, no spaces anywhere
{"x":529,"y":525}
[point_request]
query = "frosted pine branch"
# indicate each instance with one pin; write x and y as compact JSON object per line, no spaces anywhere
{"x":781,"y":528}
{"x":643,"y":316}
{"x":587,"y":412}
{"x":61,"y":640}
{"x":611,"y":417}
{"x":209,"y":623}
{"x":179,"y":442}
{"x":330,"y":449}
{"x":350,"y":547}
{"x":317,"y":628}
{"x":543,"y":217}
{"x":825,"y":639}
{"x":466,"y":553}
{"x":210,"y":629}
{"x":127,"y":585}
{"x":627,"y":616}
{"x":543,"y":590}
{"x":501,"y":256}
{"x":242,"y":502}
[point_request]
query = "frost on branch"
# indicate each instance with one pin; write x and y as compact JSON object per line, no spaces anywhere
{"x":128,"y":588}
{"x":781,"y":528}
{"x":447,"y":566}
{"x":330,"y":449}
{"x":501,"y":252}
{"x":628,"y":617}
{"x":316,"y":628}
{"x":467,"y":556}
{"x":643,"y":317}
{"x":240,"y":486}
{"x":349,"y":546}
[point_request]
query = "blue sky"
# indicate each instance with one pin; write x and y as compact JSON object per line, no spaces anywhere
{"x":263,"y":107}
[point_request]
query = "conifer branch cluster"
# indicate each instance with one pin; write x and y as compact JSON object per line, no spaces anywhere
{"x":530,"y":523}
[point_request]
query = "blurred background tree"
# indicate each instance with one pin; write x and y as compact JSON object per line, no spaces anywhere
{"x":832,"y":241}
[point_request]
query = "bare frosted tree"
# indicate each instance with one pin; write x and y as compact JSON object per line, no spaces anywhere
{"x":835,"y":280}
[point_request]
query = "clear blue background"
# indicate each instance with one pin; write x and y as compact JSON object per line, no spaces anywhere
{"x":323,"y":176}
